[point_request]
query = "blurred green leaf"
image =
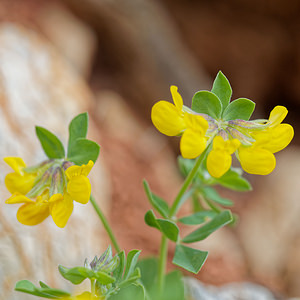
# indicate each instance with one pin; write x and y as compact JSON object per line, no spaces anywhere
{"x":204,"y":231}
{"x":82,"y":151}
{"x":150,"y":219}
{"x":222,"y":89}
{"x":198,"y":217}
{"x":118,"y":272}
{"x":207,"y":103}
{"x":133,"y":291}
{"x":158,"y":203}
{"x":185,"y":165}
{"x":77,"y":274}
{"x":78,"y":129}
{"x":241,"y":108}
{"x":212,"y":194}
{"x":131,"y":262}
{"x":51,"y":145}
{"x":149,"y":269}
{"x":188,"y":258}
{"x":169,"y":229}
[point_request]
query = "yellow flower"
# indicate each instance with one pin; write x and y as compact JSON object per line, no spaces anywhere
{"x":259,"y":158}
{"x":172,"y":120}
{"x":48,"y":189}
{"x":219,"y":158}
{"x":83,"y":296}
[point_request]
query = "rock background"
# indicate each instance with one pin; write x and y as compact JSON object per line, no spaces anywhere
{"x":115,"y":60}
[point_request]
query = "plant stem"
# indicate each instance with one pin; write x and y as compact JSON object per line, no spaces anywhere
{"x":177,"y":202}
{"x":93,"y":287}
{"x":162,"y":262}
{"x":105,"y":224}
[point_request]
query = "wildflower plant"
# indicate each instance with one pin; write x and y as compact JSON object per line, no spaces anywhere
{"x":211,"y":131}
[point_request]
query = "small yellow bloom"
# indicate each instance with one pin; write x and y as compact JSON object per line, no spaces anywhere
{"x":259,"y":158}
{"x":171,"y":119}
{"x":49,"y":190}
{"x":219,"y":158}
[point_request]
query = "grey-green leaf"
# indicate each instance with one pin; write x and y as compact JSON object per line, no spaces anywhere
{"x":169,"y":229}
{"x":158,"y":203}
{"x":198,"y":217}
{"x":204,"y":231}
{"x":118,"y":272}
{"x":188,"y":258}
{"x":76,"y":275}
{"x":51,"y":145}
{"x":207,"y":103}
{"x":212,"y":194}
{"x":83,"y":150}
{"x":78,"y":128}
{"x":222,"y":89}
{"x":241,"y":109}
{"x":104,"y":278}
{"x":132,"y":258}
{"x":234,"y":181}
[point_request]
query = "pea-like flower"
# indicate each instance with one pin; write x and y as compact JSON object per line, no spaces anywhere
{"x":254,"y":142}
{"x":47,"y":189}
{"x":176,"y":119}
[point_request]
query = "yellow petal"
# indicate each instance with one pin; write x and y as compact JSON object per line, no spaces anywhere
{"x":196,"y":122}
{"x":16,"y":163}
{"x":218,"y":163}
{"x":228,"y":146}
{"x":277,"y":115}
{"x":17,"y":183}
{"x":17,"y":198}
{"x":61,"y":209}
{"x":74,"y":171}
{"x":79,"y":188}
{"x":256,"y":160}
{"x":33,"y":213}
{"x":279,"y":137}
{"x":166,"y":118}
{"x":177,"y":99}
{"x":192,"y":144}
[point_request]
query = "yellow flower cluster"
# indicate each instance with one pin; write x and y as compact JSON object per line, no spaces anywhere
{"x":254,"y":142}
{"x":48,"y":189}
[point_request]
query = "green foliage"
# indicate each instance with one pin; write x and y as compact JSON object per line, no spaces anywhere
{"x":241,"y":108}
{"x":50,"y":143}
{"x":212,"y":194}
{"x":222,"y":89}
{"x":160,"y":205}
{"x":204,"y":231}
{"x":198,"y":217}
{"x":207,"y":103}
{"x":44,"y":291}
{"x":188,"y":258}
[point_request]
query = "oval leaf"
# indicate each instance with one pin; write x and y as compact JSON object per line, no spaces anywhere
{"x":169,"y":229}
{"x":150,"y":219}
{"x":131,"y":262}
{"x":207,"y":103}
{"x":198,"y":217}
{"x":82,"y":151}
{"x":212,"y":194}
{"x":241,"y":108}
{"x":222,"y":89}
{"x":51,"y":145}
{"x":188,"y":258}
{"x":203,"y":232}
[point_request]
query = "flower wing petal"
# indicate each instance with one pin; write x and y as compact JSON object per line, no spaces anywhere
{"x":16,"y":163}
{"x":177,"y":99}
{"x":167,"y":119}
{"x":79,"y":189}
{"x":256,"y":160}
{"x":33,"y":213}
{"x":277,"y":115}
{"x":61,"y":209}
{"x":17,"y":198}
{"x":218,"y":163}
{"x":192,"y":144}
{"x":17,"y":183}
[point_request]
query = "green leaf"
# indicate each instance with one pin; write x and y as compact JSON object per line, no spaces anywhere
{"x":241,"y":108}
{"x":222,"y":89}
{"x":136,"y":275}
{"x":158,"y":203}
{"x":169,"y":229}
{"x":188,"y":258}
{"x":133,"y":291}
{"x":150,"y":219}
{"x":44,"y":285}
{"x":51,"y":145}
{"x":78,"y":128}
{"x":203,"y":232}
{"x":76,"y":275}
{"x":149,"y":268}
{"x":234,"y":181}
{"x":132,"y":258}
{"x":185,"y":165}
{"x":212,"y":194}
{"x":174,"y":287}
{"x":103,"y":278}
{"x":207,"y":103}
{"x":118,"y":272}
{"x":82,"y":151}
{"x":44,"y":291}
{"x":198,"y":217}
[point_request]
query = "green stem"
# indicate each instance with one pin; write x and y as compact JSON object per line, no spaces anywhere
{"x":93,"y":287}
{"x":162,"y":262}
{"x":177,"y":202}
{"x":105,"y":224}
